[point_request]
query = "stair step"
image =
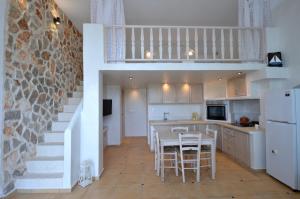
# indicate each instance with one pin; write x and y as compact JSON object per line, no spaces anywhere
{"x":64,"y":117}
{"x":51,"y":137}
{"x":74,"y":100}
{"x":50,"y":149}
{"x":79,"y":88}
{"x":77,"y":94}
{"x":59,"y":126}
{"x":70,"y":108}
{"x":42,"y":181}
{"x":46,"y":165}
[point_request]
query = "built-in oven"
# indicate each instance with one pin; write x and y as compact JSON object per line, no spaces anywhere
{"x":216,"y":112}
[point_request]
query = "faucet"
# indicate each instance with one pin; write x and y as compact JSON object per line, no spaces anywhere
{"x":165,"y":115}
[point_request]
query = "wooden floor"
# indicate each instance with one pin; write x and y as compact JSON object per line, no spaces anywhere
{"x":129,"y":174}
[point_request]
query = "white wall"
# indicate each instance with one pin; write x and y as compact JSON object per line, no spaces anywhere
{"x":248,"y":108}
{"x":3,"y":4}
{"x":113,"y":122}
{"x":285,"y":35}
{"x":176,"y":111}
{"x":93,"y":55}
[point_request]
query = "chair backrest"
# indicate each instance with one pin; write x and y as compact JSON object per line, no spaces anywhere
{"x":190,"y":142}
{"x":180,"y":129}
{"x":157,"y":142}
{"x":212,"y":133}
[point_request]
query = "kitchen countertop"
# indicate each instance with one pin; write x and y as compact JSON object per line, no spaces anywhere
{"x":250,"y":130}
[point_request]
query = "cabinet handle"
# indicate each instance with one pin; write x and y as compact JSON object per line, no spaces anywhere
{"x":274,"y":151}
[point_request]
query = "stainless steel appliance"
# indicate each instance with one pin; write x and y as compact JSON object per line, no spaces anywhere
{"x":216,"y":112}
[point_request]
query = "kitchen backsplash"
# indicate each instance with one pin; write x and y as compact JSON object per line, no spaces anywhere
{"x":176,"y":111}
{"x":248,"y":108}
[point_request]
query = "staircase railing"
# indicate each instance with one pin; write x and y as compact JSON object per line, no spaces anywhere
{"x":72,"y":149}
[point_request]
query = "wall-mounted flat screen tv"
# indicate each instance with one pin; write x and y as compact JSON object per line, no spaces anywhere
{"x":107,"y":107}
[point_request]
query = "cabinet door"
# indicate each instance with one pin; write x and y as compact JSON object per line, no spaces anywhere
{"x":219,"y":134}
{"x":169,"y":93}
{"x":183,"y":92}
{"x":242,"y":148}
{"x":155,"y":94}
{"x":228,"y":144}
{"x":196,"y":94}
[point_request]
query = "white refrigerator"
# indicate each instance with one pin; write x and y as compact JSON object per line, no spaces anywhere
{"x":283,"y":136}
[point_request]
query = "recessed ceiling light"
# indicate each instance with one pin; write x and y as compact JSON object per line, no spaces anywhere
{"x":130,"y":77}
{"x":219,"y":78}
{"x":239,"y":73}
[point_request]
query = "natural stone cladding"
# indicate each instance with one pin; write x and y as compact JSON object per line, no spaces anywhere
{"x":43,"y":66}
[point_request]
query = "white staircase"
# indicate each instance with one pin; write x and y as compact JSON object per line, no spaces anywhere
{"x":45,"y":171}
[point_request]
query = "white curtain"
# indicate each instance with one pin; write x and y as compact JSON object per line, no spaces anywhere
{"x":111,"y":13}
{"x":253,"y":13}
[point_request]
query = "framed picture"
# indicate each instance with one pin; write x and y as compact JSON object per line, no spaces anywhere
{"x":275,"y":59}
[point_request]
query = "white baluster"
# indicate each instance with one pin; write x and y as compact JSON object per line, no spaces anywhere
{"x":178,"y":43}
{"x":205,"y":42}
{"x":214,"y":43}
{"x":187,"y":41}
{"x":132,"y":43}
{"x":169,"y":43}
{"x":151,"y":42}
{"x":240,"y":44}
{"x":231,"y":43}
{"x":222,"y":44}
{"x":124,"y":43}
{"x":113,"y":47}
{"x":196,"y":43}
{"x":142,"y":43}
{"x":160,"y":43}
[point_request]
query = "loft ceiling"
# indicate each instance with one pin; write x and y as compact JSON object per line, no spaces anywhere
{"x":162,"y":12}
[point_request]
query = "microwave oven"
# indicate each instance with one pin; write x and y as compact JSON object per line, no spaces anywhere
{"x":216,"y":112}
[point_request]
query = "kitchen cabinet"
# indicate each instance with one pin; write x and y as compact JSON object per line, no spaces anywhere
{"x":236,"y":87}
{"x":183,"y":92}
{"x":169,"y":93}
{"x":219,"y":134}
{"x":196,"y":94}
{"x":155,"y":94}
{"x":236,"y":144}
{"x":175,"y":93}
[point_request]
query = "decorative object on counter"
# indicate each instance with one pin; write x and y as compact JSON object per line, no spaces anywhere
{"x":195,"y":116}
{"x":244,"y":121}
{"x":274,"y":59}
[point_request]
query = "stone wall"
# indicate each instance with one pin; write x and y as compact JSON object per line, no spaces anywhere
{"x":43,"y":65}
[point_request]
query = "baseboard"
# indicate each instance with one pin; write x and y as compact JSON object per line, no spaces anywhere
{"x":97,"y":178}
{"x":9,"y":194}
{"x":44,"y":190}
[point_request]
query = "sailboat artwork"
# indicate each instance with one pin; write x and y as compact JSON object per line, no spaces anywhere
{"x":274,"y":59}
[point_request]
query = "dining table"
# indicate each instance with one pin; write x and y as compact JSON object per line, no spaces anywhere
{"x":168,"y":138}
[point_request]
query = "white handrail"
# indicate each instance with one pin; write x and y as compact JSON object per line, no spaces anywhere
{"x":185,"y":43}
{"x":72,"y":149}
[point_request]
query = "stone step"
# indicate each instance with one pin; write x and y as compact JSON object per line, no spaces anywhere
{"x":74,"y":100}
{"x":77,"y":94}
{"x":79,"y":88}
{"x":70,"y":108}
{"x":54,"y":149}
{"x":51,"y":137}
{"x":64,"y":117}
{"x":39,"y":181}
{"x":59,"y":126}
{"x":46,"y":165}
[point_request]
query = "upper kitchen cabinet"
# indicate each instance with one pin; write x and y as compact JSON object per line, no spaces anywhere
{"x":236,"y":87}
{"x":183,"y":93}
{"x":155,"y":94}
{"x":196,"y":96}
{"x":169,"y":93}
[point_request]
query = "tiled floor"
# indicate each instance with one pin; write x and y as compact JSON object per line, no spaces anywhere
{"x":129,"y":174}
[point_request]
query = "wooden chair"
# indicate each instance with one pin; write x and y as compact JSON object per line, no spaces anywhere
{"x":169,"y":155}
{"x":190,"y":149}
{"x":206,"y":151}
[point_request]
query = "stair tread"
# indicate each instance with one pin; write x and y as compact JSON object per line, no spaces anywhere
{"x":41,"y":175}
{"x":47,"y":158}
{"x":51,"y":143}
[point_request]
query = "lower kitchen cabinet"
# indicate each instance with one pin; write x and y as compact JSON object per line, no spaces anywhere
{"x":219,"y":134}
{"x":236,"y":144}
